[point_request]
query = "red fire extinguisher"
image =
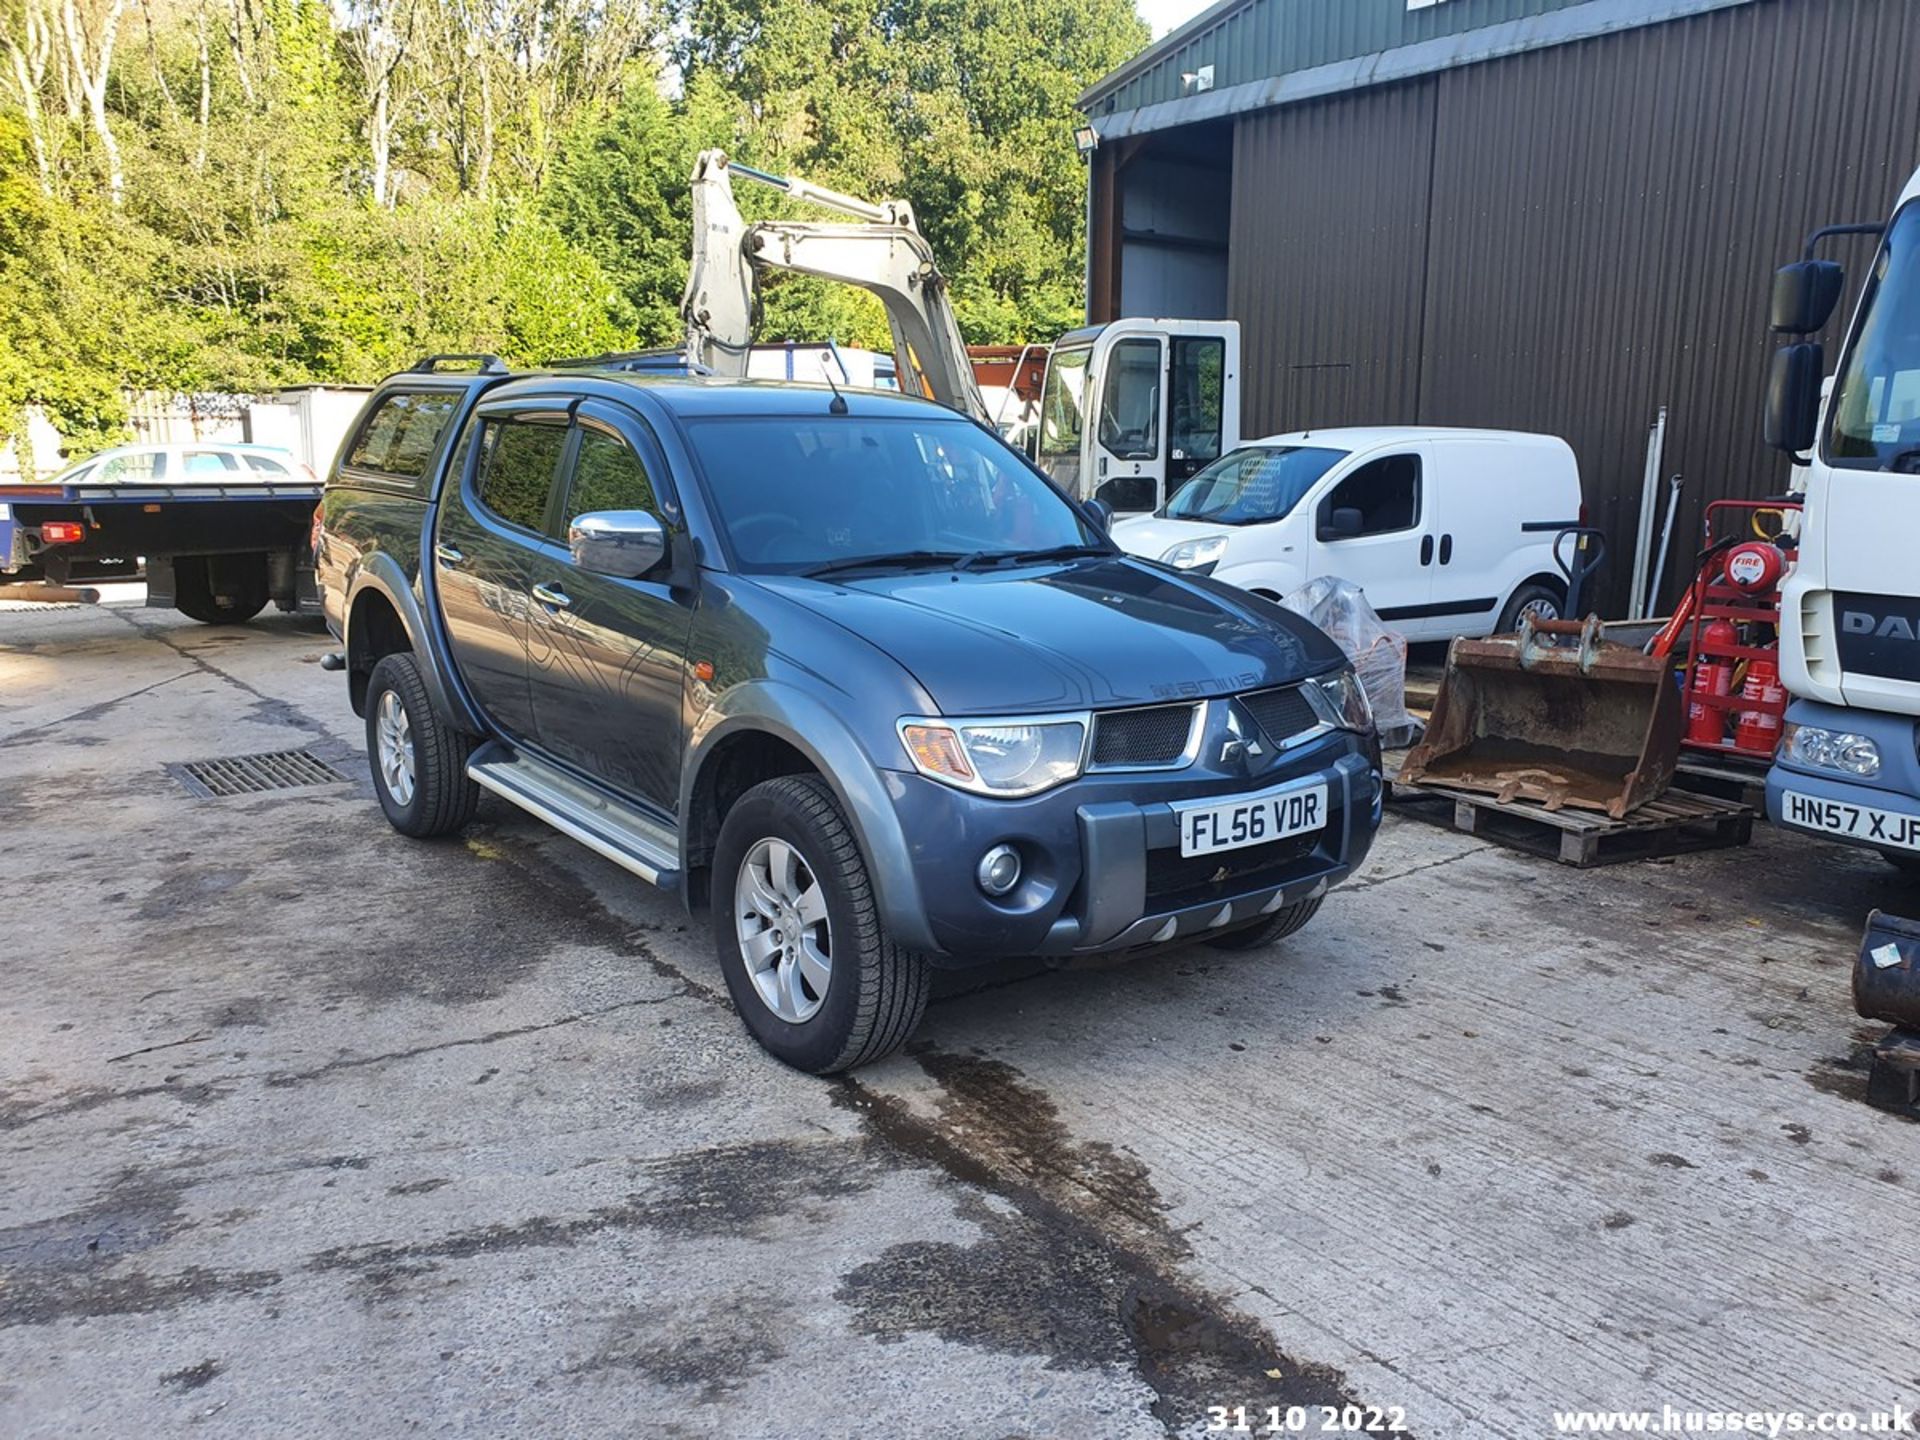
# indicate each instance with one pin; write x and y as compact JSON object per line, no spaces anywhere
{"x":1759,"y":730}
{"x":1712,"y":675}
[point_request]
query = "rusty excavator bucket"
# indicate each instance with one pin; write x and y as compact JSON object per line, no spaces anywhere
{"x":1593,"y":725}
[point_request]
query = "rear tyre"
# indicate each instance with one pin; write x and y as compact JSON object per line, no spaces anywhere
{"x":220,"y":590}
{"x":809,"y":965}
{"x":1543,"y":602}
{"x":419,"y":762}
{"x":1276,"y":926}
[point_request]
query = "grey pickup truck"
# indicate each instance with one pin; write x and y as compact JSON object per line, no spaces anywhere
{"x":842,"y":669}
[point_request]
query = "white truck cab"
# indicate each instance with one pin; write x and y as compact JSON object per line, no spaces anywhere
{"x":1132,"y":409}
{"x":1850,"y":611}
{"x":1449,"y":532}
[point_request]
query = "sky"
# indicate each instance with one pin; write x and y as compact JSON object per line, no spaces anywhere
{"x":1163,"y":15}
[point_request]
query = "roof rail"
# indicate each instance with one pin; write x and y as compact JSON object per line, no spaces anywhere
{"x":486,"y":364}
{"x":662,"y":359}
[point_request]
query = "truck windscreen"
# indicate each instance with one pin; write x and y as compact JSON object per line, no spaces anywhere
{"x":1876,"y":404}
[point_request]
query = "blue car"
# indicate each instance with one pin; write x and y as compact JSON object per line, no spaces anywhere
{"x":843,"y":670}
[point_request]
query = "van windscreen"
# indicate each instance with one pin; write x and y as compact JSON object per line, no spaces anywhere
{"x":1252,"y":484}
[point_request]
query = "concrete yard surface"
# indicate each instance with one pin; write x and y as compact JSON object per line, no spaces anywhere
{"x":307,"y":1129}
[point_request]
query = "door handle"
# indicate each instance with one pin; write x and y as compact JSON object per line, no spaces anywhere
{"x":1426,"y":549}
{"x":447,"y":555}
{"x":1446,"y":549}
{"x":547,"y":595}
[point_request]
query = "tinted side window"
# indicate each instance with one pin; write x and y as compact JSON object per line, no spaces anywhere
{"x":206,"y":462}
{"x":608,"y":476}
{"x":518,"y":461}
{"x":1386,"y":492}
{"x":266,"y":466}
{"x":398,"y":438}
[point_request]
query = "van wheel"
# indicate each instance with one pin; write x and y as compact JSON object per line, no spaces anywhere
{"x":810,"y":967}
{"x":1277,"y":926}
{"x":1542,"y":602}
{"x":419,"y":762}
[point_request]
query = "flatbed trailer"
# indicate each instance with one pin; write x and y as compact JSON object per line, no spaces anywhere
{"x":216,"y":552}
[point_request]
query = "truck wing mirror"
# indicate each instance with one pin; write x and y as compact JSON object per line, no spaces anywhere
{"x":1793,"y":397}
{"x":1342,"y":524}
{"x":1101,"y":514}
{"x":1804,"y":294}
{"x":625,"y":544}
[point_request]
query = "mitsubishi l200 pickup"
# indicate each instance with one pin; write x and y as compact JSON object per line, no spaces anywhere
{"x":844,"y":670}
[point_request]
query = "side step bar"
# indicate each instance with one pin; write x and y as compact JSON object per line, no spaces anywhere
{"x":630,"y":839}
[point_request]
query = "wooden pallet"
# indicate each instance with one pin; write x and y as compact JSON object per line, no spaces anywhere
{"x":1737,"y":780}
{"x":1674,"y":824}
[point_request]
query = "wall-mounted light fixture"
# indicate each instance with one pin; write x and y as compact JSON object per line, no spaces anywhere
{"x":1197,"y":80}
{"x":1086,"y":140}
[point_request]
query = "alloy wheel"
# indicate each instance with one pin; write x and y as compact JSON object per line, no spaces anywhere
{"x":786,"y":940}
{"x":393,"y":741}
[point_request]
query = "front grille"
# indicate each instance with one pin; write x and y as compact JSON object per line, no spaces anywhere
{"x":1156,"y":735}
{"x":1175,"y":881}
{"x":1281,"y":714}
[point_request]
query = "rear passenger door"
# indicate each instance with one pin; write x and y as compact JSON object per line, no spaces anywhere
{"x":608,"y":656}
{"x":496,"y":519}
{"x":1390,"y":554}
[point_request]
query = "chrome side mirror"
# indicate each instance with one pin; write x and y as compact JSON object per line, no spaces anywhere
{"x":626,"y":544}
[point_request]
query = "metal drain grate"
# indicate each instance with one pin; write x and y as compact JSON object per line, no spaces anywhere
{"x":252,"y":774}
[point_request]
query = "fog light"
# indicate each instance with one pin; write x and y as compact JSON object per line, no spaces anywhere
{"x":999,"y":870}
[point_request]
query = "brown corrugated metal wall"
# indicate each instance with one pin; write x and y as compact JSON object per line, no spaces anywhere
{"x":1567,"y":239}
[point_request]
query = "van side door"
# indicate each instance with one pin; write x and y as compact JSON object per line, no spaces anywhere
{"x":1370,"y":528}
{"x":1494,"y":509}
{"x":1474,"y":511}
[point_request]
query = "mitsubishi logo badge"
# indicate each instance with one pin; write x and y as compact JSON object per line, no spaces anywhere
{"x":1242,"y":744}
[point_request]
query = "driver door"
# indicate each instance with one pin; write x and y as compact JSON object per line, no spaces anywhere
{"x":1390,"y":553}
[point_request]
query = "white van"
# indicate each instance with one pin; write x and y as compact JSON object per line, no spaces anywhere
{"x":1449,"y":532}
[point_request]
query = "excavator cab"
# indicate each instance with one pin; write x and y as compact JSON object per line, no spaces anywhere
{"x":1133,"y":409}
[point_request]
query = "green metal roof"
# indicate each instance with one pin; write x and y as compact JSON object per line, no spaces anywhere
{"x":1271,"y":52}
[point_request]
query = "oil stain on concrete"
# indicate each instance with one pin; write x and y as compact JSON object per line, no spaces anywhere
{"x":1076,"y":1259}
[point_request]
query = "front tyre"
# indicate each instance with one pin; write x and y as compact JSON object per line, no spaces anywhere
{"x":808,"y":963}
{"x":419,"y":762}
{"x":1276,"y":926}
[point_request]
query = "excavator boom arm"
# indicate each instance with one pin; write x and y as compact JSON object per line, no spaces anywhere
{"x":882,"y":251}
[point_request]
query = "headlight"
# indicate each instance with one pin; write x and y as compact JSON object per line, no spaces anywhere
{"x":1339,"y":700}
{"x":998,"y":757}
{"x":1196,"y":554}
{"x":1839,"y":750}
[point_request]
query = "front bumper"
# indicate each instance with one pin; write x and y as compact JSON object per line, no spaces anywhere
{"x":1882,"y":813}
{"x":1102,"y":869}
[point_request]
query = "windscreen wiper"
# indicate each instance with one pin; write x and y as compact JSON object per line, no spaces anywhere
{"x":899,"y":560}
{"x":1051,"y":552}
